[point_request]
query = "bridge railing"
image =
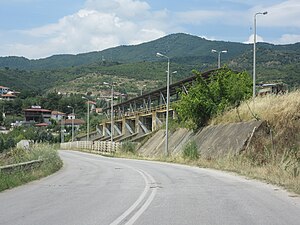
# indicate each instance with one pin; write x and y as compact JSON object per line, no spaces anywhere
{"x":143,"y":111}
{"x":94,"y":146}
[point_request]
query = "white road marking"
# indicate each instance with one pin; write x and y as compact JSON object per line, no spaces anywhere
{"x":148,"y":180}
{"x":145,"y":205}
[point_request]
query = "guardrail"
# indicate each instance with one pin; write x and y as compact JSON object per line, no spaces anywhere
{"x":96,"y":146}
{"x":24,"y":165}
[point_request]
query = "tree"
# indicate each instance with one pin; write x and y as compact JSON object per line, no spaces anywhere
{"x":207,"y":97}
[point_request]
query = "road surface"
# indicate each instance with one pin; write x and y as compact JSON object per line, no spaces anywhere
{"x":92,"y":189}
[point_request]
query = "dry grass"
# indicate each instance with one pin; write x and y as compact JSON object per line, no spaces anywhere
{"x":274,"y":158}
{"x":282,"y":113}
{"x":276,"y":162}
{"x":278,"y":110}
{"x":17,"y":177}
{"x":270,"y":107}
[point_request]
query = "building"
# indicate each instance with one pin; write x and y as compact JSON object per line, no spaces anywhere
{"x":37,"y":114}
{"x":71,"y":116}
{"x":77,"y":123}
{"x":8,"y":96}
{"x":3,"y":90}
{"x":272,"y":88}
{"x":57,"y":116}
{"x":99,"y":110}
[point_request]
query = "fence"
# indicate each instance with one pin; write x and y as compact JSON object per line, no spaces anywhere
{"x":94,"y":146}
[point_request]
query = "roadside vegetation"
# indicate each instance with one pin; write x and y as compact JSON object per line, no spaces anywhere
{"x":18,"y":176}
{"x":211,"y":96}
{"x":273,"y":157}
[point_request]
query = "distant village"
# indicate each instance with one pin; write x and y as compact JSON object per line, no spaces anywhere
{"x":7,"y":94}
{"x":39,"y":117}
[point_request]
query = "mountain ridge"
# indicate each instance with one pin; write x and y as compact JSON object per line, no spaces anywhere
{"x":186,"y":52}
{"x":173,"y":44}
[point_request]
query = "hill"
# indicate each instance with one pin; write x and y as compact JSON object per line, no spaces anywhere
{"x":138,"y":62}
{"x":176,"y":46}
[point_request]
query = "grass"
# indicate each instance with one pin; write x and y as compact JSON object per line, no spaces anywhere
{"x":274,"y":158}
{"x":190,"y":151}
{"x":51,"y":164}
{"x":282,"y":170}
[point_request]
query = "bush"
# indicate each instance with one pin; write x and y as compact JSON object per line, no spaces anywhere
{"x":129,"y":147}
{"x":51,"y":163}
{"x":190,"y":151}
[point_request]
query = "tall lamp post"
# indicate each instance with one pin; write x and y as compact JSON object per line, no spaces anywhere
{"x":219,"y":56}
{"x":111,"y":111}
{"x":87,"y":119}
{"x":254,"y":52}
{"x":143,"y":88}
{"x":171,"y":77}
{"x":168,"y":98}
{"x":72,"y":121}
{"x":62,"y":134}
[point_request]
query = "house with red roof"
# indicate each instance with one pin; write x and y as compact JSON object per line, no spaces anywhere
{"x":58,"y":116}
{"x":37,"y":114}
{"x":7,"y":94}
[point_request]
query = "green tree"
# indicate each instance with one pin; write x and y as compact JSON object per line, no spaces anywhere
{"x":209,"y":96}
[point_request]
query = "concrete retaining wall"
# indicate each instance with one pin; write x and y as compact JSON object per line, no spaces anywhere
{"x":155,"y":146}
{"x":212,"y":141}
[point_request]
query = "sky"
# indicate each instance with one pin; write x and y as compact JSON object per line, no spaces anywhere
{"x":41,"y":28}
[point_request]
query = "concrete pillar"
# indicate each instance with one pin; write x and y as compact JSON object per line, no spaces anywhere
{"x":154,"y":124}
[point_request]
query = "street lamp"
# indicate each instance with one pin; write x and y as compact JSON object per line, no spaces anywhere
{"x":168,"y":98}
{"x":254,"y":52}
{"x":219,"y":56}
{"x":171,"y":78}
{"x":142,"y":88}
{"x":72,"y":121}
{"x":88,"y":119}
{"x":111,"y":111}
{"x":62,"y":134}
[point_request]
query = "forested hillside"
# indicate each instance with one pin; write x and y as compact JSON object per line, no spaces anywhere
{"x":139,"y":62}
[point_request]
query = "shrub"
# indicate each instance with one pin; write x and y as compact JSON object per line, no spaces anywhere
{"x":51,"y":163}
{"x":129,"y":147}
{"x":190,"y":151}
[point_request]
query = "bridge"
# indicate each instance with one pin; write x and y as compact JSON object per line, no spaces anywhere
{"x":137,"y":117}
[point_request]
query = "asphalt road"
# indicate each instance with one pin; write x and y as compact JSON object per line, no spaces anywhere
{"x":91,"y":189}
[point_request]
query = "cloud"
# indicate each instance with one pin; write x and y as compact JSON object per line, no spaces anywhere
{"x":123,"y":8}
{"x":100,"y":25}
{"x":251,"y":39}
{"x":288,"y":39}
{"x":284,"y":14}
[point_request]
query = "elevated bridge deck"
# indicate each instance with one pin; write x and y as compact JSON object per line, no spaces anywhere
{"x":144,"y":114}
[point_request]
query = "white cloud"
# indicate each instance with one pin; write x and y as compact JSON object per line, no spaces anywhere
{"x":251,"y":39}
{"x":101,"y":24}
{"x":284,"y":14}
{"x":123,"y":8}
{"x":288,"y":39}
{"x":119,"y":22}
